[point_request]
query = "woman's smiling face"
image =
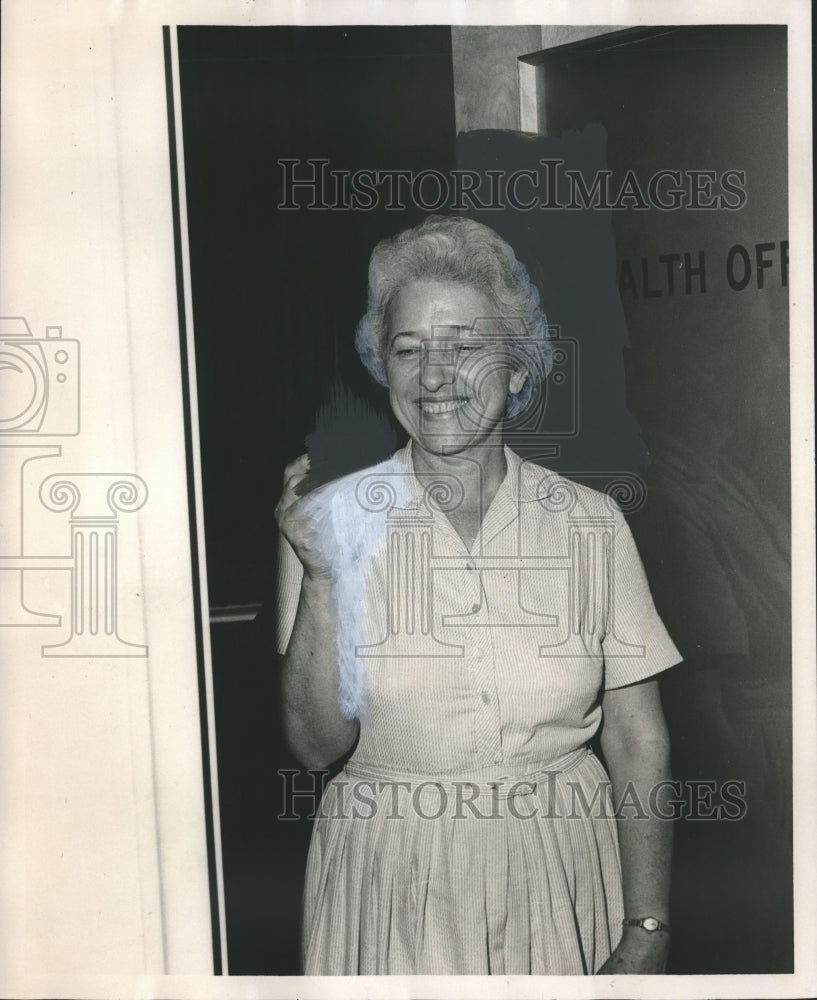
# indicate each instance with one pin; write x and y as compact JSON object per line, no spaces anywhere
{"x":448,"y":366}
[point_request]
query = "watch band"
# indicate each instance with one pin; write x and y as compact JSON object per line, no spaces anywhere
{"x":650,"y":924}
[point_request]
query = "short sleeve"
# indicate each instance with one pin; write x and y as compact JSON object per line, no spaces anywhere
{"x":288,"y":592}
{"x":636,"y":644}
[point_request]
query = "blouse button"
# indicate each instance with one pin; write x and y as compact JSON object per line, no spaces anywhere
{"x":486,"y":697}
{"x":475,"y":607}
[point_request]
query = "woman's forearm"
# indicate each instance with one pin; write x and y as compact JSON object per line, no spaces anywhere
{"x":315,"y":729}
{"x":636,"y":748}
{"x":645,"y":839}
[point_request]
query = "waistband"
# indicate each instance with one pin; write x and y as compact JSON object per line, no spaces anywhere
{"x":494,"y":781}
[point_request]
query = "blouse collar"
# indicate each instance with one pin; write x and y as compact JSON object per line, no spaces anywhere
{"x":524,"y":481}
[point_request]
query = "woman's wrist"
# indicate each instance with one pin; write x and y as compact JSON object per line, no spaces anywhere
{"x":651,"y":924}
{"x":639,"y":952}
{"x":317,"y":578}
{"x":638,"y":937}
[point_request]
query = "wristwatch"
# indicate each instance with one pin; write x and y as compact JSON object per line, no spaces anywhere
{"x":651,"y":924}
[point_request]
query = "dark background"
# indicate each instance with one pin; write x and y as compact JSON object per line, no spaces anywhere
{"x":690,"y":391}
{"x":707,"y":381}
{"x":277,"y":296}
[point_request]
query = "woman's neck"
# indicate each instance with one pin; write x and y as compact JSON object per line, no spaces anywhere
{"x":480,"y":472}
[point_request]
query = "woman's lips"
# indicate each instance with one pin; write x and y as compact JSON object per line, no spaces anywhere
{"x":440,"y":406}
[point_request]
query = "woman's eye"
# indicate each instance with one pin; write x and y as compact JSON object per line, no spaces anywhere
{"x":405,"y":352}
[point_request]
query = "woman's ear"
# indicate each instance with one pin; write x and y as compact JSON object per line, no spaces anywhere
{"x":518,"y":378}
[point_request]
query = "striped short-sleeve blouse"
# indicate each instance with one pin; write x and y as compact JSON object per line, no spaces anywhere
{"x":483,"y":664}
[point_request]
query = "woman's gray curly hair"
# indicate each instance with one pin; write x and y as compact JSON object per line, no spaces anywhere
{"x":457,"y":249}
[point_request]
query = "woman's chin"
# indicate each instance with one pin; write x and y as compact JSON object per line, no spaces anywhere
{"x":454,"y":443}
{"x":450,"y":433}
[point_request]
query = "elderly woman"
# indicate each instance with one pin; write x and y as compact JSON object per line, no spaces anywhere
{"x":468,"y":622}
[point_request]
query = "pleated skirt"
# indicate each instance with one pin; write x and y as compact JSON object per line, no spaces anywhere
{"x":463,"y":875}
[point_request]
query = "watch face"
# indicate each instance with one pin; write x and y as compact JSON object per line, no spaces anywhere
{"x":650,"y":924}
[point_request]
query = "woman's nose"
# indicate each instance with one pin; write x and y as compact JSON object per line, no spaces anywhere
{"x":437,"y":368}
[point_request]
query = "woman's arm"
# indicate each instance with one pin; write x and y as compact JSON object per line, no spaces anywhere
{"x":635,"y":744}
{"x":314,"y":727}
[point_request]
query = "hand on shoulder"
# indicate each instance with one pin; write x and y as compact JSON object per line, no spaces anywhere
{"x":296,"y":523}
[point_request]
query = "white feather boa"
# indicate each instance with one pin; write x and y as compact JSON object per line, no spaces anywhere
{"x":350,"y":530}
